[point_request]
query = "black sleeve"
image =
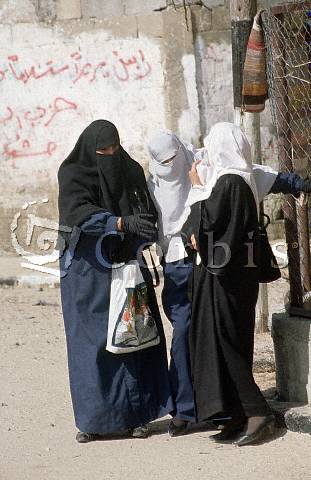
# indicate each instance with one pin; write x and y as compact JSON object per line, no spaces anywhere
{"x":77,"y":200}
{"x":228,"y":215}
{"x":192,"y":224}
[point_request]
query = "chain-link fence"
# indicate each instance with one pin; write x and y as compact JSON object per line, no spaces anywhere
{"x":287,"y":30}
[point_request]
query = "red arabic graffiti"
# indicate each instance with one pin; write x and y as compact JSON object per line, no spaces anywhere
{"x":26,"y":151}
{"x":22,"y":124}
{"x":123,"y":69}
{"x":46,"y":114}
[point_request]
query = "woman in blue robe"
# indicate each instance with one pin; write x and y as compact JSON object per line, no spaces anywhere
{"x":103,"y":199}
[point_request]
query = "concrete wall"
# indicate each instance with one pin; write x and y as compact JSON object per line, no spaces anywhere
{"x":144,"y":65}
{"x":65,"y":64}
{"x":55,"y":83}
{"x":212,"y":40}
{"x":292,"y":346}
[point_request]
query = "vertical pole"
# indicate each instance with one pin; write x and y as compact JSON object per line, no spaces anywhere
{"x":252,"y":130}
{"x":304,"y":243}
{"x":286,"y":165}
{"x":242,"y":14}
{"x":262,"y":311}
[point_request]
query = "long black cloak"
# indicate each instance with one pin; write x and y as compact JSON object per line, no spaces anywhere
{"x":224,"y":296}
{"x":109,"y":392}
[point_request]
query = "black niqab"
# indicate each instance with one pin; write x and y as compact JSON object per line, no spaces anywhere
{"x":90,"y":183}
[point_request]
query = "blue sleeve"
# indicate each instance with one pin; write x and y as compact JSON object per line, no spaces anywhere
{"x":104,"y":223}
{"x":100,"y":223}
{"x":288,"y":183}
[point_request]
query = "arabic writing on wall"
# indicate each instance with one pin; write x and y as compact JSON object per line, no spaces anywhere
{"x":30,"y":126}
{"x":23,"y":120}
{"x":75,"y":67}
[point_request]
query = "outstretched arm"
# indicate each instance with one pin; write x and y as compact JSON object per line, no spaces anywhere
{"x":289,"y":182}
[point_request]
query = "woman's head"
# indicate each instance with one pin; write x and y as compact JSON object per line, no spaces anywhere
{"x":97,"y":175}
{"x":228,"y":147}
{"x":100,"y":137}
{"x":107,"y":139}
{"x":163,"y":147}
{"x":169,"y":158}
{"x":229,"y":152}
{"x":169,"y":183}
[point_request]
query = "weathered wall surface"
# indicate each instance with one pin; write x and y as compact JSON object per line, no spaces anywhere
{"x":213,"y":49}
{"x":59,"y":72}
{"x":144,"y":65}
{"x":212,"y":39}
{"x":54,"y":84}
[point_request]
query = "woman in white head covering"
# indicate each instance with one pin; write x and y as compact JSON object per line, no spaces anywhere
{"x":225,"y":289}
{"x":170,"y":162}
{"x":169,"y":185}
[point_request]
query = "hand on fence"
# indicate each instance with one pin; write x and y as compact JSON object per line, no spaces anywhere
{"x":307,"y":186}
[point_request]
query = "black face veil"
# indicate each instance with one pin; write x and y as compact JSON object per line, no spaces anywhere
{"x":91,"y":183}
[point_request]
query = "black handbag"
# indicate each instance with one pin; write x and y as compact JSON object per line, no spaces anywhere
{"x":269,"y":270}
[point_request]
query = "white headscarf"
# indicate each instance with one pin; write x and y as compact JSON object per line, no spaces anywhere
{"x":169,"y":182}
{"x":227,"y":152}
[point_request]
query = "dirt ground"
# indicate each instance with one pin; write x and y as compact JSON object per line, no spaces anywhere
{"x":37,"y":438}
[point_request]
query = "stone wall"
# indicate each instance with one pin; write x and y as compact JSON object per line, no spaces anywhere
{"x":212,"y":40}
{"x":65,"y":64}
{"x":144,"y":65}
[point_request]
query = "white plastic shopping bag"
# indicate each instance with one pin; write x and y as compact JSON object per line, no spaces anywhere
{"x":131,"y":326}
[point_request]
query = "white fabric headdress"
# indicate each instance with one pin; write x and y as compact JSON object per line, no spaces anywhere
{"x":227,"y":152}
{"x":169,"y":182}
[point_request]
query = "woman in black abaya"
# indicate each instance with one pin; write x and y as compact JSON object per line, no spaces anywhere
{"x":103,"y":192}
{"x":225,"y":289}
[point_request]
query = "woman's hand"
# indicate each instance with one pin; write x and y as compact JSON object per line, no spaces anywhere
{"x":119,"y":224}
{"x":307,"y":185}
{"x":193,"y":174}
{"x":193,"y":242}
{"x":140,"y":224}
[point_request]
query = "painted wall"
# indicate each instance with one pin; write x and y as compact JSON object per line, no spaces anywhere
{"x":212,"y":41}
{"x":58,"y":76}
{"x":143,"y":65}
{"x":53,"y":85}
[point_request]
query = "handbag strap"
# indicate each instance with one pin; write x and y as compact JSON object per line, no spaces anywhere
{"x":264,"y":221}
{"x":155,"y":271}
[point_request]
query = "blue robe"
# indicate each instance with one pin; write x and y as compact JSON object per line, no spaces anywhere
{"x":110,"y":392}
{"x":177,"y":308}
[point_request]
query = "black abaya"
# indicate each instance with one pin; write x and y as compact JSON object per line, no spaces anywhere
{"x":224,"y":296}
{"x":109,"y":392}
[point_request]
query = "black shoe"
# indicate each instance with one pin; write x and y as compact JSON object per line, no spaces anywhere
{"x":142,"y":431}
{"x":265,"y":429}
{"x":220,"y":422}
{"x":229,"y":432}
{"x":177,"y":430}
{"x":83,"y":437}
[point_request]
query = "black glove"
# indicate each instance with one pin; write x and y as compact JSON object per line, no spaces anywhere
{"x":142,"y":225}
